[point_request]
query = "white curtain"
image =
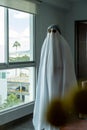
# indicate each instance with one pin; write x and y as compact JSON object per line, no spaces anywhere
{"x":56,"y":76}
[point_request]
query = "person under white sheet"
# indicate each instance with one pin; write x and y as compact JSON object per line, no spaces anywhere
{"x":55,"y":77}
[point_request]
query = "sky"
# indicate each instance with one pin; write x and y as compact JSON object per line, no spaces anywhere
{"x":19,"y":30}
{"x":1,"y":34}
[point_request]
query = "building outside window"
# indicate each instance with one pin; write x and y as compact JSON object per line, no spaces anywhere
{"x":17,"y":62}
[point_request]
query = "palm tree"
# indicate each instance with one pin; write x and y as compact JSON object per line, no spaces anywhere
{"x":16,"y":44}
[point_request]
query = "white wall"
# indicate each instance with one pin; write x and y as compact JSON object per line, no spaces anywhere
{"x":46,"y":16}
{"x":77,"y":12}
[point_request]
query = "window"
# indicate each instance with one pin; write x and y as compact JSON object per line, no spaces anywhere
{"x":2,"y":43}
{"x":20,"y":36}
{"x":17,"y":63}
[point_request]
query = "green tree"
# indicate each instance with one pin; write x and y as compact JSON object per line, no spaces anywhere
{"x":12,"y":100}
{"x":16,"y":44}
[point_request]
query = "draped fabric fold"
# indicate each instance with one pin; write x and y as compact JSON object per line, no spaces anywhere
{"x":56,"y":76}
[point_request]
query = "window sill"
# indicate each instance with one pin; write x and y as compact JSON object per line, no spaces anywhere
{"x":15,"y":113}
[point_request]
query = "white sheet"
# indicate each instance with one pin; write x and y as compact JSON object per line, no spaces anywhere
{"x":56,"y":76}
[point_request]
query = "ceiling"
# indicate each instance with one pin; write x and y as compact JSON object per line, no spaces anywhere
{"x":64,"y":4}
{"x":73,"y":0}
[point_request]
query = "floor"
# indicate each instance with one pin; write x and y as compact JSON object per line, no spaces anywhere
{"x":26,"y":124}
{"x":80,"y":125}
{"x":21,"y":124}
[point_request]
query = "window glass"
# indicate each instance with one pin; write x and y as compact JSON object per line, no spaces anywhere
{"x":16,"y":87}
{"x":2,"y":42}
{"x":16,"y":46}
{"x":20,"y":36}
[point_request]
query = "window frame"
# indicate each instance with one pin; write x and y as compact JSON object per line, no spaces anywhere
{"x":25,"y":109}
{"x":9,"y":65}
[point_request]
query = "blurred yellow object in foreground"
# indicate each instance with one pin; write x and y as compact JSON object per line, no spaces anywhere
{"x":59,"y":111}
{"x":56,"y":115}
